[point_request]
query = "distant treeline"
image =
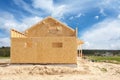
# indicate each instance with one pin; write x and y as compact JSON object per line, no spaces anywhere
{"x":101,"y":52}
{"x":5,"y":51}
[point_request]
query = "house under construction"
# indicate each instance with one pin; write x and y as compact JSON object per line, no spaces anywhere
{"x":48,"y":41}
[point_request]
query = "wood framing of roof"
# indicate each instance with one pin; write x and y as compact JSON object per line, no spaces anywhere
{"x":16,"y":34}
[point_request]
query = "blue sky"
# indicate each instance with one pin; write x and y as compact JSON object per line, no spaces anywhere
{"x":98,"y":21}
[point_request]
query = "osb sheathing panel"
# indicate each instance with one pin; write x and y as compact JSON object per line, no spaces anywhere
{"x":40,"y":50}
{"x":47,"y":28}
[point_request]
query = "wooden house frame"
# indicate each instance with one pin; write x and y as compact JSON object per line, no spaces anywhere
{"x":48,"y":41}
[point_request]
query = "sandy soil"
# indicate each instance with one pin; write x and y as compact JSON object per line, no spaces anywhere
{"x":84,"y":70}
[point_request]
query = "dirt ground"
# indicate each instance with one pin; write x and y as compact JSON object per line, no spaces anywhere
{"x":84,"y":70}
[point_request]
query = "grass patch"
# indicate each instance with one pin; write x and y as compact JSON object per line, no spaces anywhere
{"x":4,"y":57}
{"x":110,"y":59}
{"x":103,"y":69}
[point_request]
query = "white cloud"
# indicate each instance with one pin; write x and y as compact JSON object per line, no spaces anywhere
{"x":26,"y":7}
{"x":7,"y":22}
{"x":4,"y":42}
{"x":103,"y":35}
{"x":29,"y":21}
{"x":48,"y":7}
{"x":96,"y":17}
{"x":44,"y":5}
{"x":79,"y":5}
{"x":79,"y":15}
{"x":6,"y":19}
{"x":119,"y":16}
{"x":110,"y":4}
{"x":58,"y":10}
{"x":102,"y":12}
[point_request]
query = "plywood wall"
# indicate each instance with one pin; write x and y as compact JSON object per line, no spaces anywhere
{"x":41,"y":50}
{"x":50,"y":28}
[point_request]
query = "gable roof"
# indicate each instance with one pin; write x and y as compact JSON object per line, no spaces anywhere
{"x":49,"y":17}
